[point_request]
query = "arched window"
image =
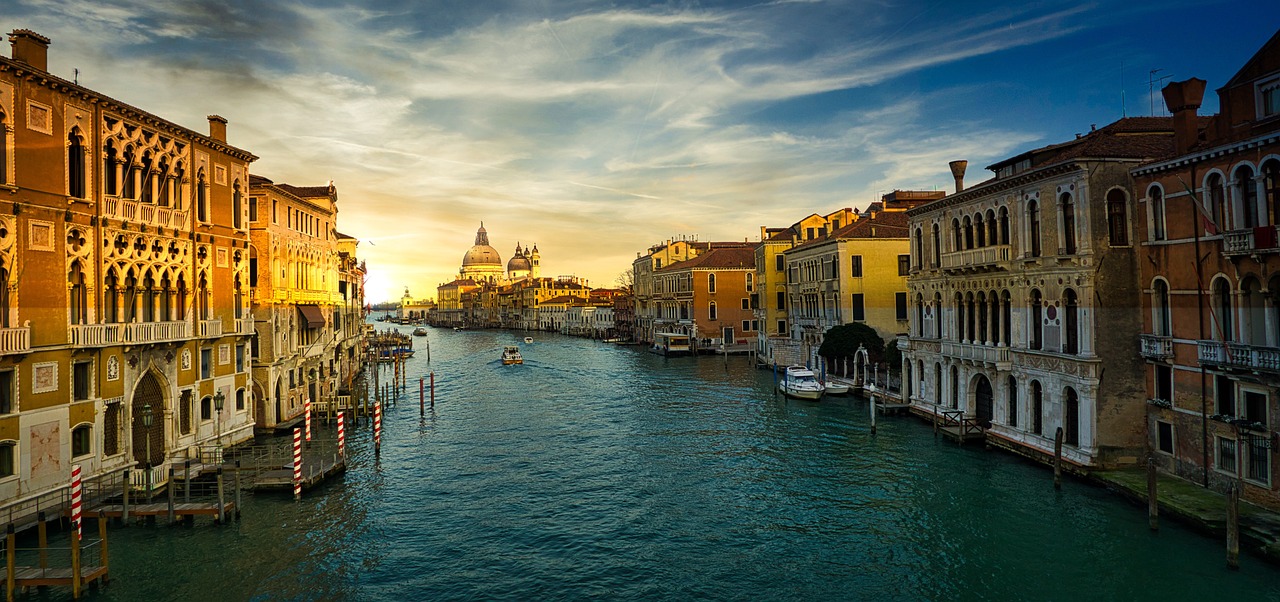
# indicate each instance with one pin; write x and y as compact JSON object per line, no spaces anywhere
{"x":937,"y":317}
{"x":1037,"y":408}
{"x":1037,"y":320}
{"x":937,"y":384}
{"x":1068,"y":223}
{"x":1071,"y":418}
{"x":937,"y":247}
{"x":917,"y":255}
{"x":202,"y":297}
{"x":237,"y":205}
{"x":78,"y":301}
{"x":179,"y":187}
{"x":1157,"y":213}
{"x":919,"y":315}
{"x":4,"y":296}
{"x":1071,"y":322}
{"x":129,"y":172}
{"x":1215,"y":198}
{"x":206,"y":408}
{"x":958,"y":240}
{"x":1253,"y":328}
{"x":711,"y":311}
{"x":148,"y":178}
{"x":1004,"y":225}
{"x":181,"y":305}
{"x":4,"y":147}
{"x":1247,"y":197}
{"x":166,"y":298}
{"x":239,"y":400}
{"x":711,"y":283}
{"x":111,"y":298}
{"x":968,"y":232}
{"x":202,"y":201}
{"x":1161,"y":317}
{"x":1271,"y":188}
{"x":992,"y":230}
{"x":980,"y":230}
{"x":955,"y":387}
{"x":958,"y":332}
{"x":130,"y":297}
{"x":82,"y":440}
{"x":239,"y":299}
{"x":8,"y":458}
{"x":1011,"y":397}
{"x":148,"y":298}
{"x":1006,"y":304}
{"x":1222,"y":310}
{"x":1117,"y":218}
{"x":1033,"y":227}
{"x":75,"y":165}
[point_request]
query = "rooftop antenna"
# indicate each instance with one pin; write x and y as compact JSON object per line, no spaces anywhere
{"x":1152,"y":80}
{"x":75,"y":79}
{"x":1124,"y":112}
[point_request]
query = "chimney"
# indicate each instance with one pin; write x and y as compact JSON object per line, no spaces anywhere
{"x":957,"y":171}
{"x":1182,"y":99}
{"x":30,"y":48}
{"x":218,"y":128}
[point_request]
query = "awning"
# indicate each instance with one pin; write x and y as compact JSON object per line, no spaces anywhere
{"x":312,"y":315}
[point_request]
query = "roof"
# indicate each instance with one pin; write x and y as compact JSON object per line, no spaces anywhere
{"x":884,"y":225}
{"x":308,"y":192}
{"x":1250,"y":70}
{"x":722,"y":258}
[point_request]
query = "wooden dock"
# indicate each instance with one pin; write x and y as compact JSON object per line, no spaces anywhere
{"x":954,"y":425}
{"x":184,"y":509}
{"x":27,"y":576}
{"x":314,"y":470}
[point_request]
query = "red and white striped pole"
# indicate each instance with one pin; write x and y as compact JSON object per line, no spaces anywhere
{"x":377,"y":427}
{"x":306,"y":409}
{"x":342,"y":435}
{"x":297,"y":463}
{"x":75,"y":499}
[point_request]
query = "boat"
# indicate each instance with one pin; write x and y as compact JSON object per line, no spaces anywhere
{"x":511,"y":355}
{"x":671,"y":344}
{"x":419,"y":332}
{"x":799,"y":382}
{"x":835,"y":388}
{"x":528,"y":340}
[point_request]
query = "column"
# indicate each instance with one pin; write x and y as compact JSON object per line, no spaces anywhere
{"x":1086,"y":326}
{"x":1084,"y":241}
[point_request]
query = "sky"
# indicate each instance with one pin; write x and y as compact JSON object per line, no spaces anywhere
{"x":597,"y":129}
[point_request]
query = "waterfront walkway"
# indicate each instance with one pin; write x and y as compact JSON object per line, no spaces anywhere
{"x":1201,"y":508}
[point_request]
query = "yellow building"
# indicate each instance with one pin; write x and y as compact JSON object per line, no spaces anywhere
{"x":642,"y":275}
{"x":298,"y":307}
{"x":124,"y":327}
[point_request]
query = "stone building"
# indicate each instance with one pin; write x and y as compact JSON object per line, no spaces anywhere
{"x":643,"y":270}
{"x":707,"y":297}
{"x":1022,"y":305}
{"x":124,"y":263}
{"x":299,"y":310}
{"x":1210,"y":276}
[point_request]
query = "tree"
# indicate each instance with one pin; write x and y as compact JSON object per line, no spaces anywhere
{"x":843,"y":341}
{"x":626,"y":280}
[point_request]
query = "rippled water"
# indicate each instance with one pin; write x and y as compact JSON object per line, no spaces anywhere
{"x":598,"y":471}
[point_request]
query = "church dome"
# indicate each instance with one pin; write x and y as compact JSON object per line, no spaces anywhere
{"x":517,"y":264}
{"x":481,"y":253}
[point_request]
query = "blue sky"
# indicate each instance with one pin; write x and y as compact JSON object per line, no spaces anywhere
{"x":598,"y":129}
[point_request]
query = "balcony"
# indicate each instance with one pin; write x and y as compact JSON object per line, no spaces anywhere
{"x":977,"y":260}
{"x":15,"y":340}
{"x":1250,"y":241}
{"x":1156,"y":347}
{"x":96,"y":335}
{"x":157,"y":332}
{"x":210,"y":329}
{"x":1239,"y":356}
{"x":244,"y":325}
{"x":143,"y":213}
{"x":999,"y":357}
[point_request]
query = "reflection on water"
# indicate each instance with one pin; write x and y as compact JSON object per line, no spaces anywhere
{"x":598,"y":471}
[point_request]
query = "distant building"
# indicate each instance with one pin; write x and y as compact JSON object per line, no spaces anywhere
{"x":415,"y":309}
{"x":707,"y":297}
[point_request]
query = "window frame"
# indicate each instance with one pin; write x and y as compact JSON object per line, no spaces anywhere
{"x":82,"y":435}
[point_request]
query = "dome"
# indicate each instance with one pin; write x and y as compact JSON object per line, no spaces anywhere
{"x":518,"y":263}
{"x":481,"y":253}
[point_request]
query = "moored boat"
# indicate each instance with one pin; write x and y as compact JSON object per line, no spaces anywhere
{"x":799,"y":382}
{"x":835,"y":388}
{"x":528,"y":340}
{"x":419,"y":332}
{"x":511,"y":355}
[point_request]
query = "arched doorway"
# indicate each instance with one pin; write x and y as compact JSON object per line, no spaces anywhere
{"x":279,"y":396}
{"x":148,"y":392}
{"x":985,"y":399}
{"x":259,"y":408}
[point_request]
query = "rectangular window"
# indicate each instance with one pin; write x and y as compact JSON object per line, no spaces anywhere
{"x":855,"y":266}
{"x":1269,"y":99}
{"x":1225,"y":395}
{"x":779,"y":263}
{"x":751,"y":282}
{"x":6,"y":392}
{"x":1227,"y":455}
{"x":206,"y":408}
{"x":746,"y":303}
{"x":81,"y":441}
{"x":253,"y":208}
{"x":746,"y":326}
{"x":184,"y":413}
{"x":80,"y":380}
{"x":1164,"y":437}
{"x":782,"y":300}
{"x":1255,"y":406}
{"x":900,"y":304}
{"x":206,"y":363}
{"x":111,"y":430}
{"x":275,"y":218}
{"x":1164,"y":382}
{"x":808,"y":233}
{"x":1258,"y":467}
{"x":782,"y":327}
{"x":904,"y":265}
{"x":858,"y":314}
{"x":239,"y":358}
{"x":7,"y":457}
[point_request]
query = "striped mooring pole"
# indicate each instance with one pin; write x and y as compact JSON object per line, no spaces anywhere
{"x":342,"y":435}
{"x":297,"y":463}
{"x":75,"y":499}
{"x":377,"y":427}
{"x":306,"y":410}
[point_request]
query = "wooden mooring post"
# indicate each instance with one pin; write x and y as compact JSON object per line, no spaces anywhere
{"x":222,"y":512}
{"x":76,"y":585}
{"x":170,"y":488}
{"x":186,"y":482}
{"x":422,"y":408}
{"x":1057,"y":459}
{"x":9,"y":569}
{"x":1153,"y":502}
{"x":1233,"y":527}
{"x":124,"y":499}
{"x":237,"y":486}
{"x":433,"y":390}
{"x":42,"y":534}
{"x":103,"y":557}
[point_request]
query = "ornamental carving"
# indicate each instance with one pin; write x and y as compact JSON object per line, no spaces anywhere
{"x":186,"y":359}
{"x":113,"y":368}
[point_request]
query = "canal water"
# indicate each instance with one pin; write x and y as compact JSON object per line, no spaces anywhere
{"x":596,"y":471}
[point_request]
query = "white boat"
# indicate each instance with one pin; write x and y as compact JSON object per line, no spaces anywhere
{"x":528,"y":340}
{"x":511,"y":355}
{"x":799,"y":382}
{"x":419,"y":332}
{"x":835,"y":388}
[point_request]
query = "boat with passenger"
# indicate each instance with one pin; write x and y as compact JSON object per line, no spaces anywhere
{"x":799,"y":382}
{"x":671,"y":344}
{"x":419,"y":332}
{"x":511,"y":355}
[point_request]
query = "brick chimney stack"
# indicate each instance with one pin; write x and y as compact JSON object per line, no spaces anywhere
{"x":30,"y":48}
{"x":218,"y":128}
{"x":1183,"y":99}
{"x":957,"y":171}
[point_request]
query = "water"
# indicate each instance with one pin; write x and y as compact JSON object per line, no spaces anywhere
{"x":598,"y":471}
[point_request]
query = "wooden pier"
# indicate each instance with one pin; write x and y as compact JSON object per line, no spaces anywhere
{"x":89,"y":563}
{"x":954,"y":425}
{"x":314,"y":470}
{"x":180,"y":509}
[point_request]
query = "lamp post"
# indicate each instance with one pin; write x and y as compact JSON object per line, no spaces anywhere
{"x":146,"y":425}
{"x":218,"y":400}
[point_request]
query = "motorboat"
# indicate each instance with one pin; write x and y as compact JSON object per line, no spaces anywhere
{"x":799,"y":382}
{"x":511,"y":355}
{"x":835,"y":388}
{"x":419,"y":332}
{"x":528,"y":340}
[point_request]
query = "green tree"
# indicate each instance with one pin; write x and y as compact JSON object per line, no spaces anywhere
{"x":843,"y":341}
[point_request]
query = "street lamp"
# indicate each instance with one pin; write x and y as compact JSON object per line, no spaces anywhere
{"x":146,"y":424}
{"x":218,"y":400}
